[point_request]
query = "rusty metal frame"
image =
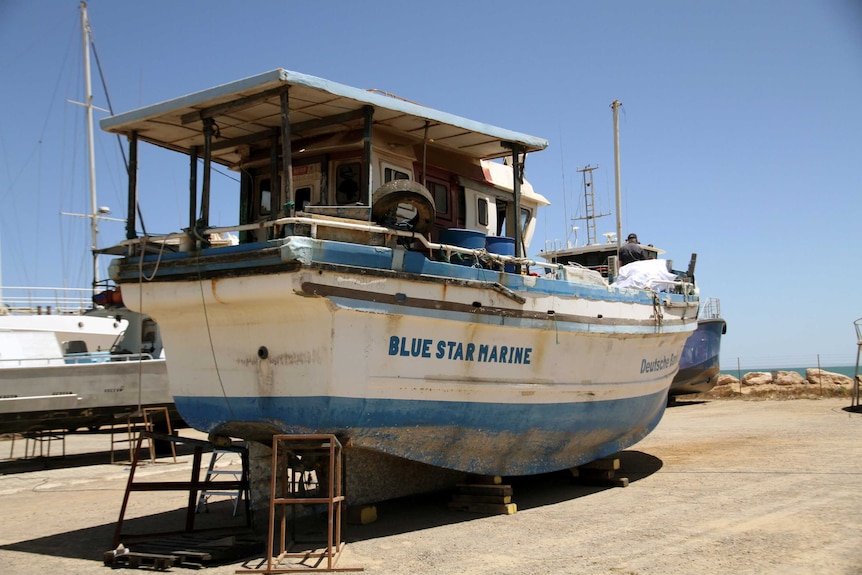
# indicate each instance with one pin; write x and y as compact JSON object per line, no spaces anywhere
{"x":286,"y":492}
{"x":194,"y":486}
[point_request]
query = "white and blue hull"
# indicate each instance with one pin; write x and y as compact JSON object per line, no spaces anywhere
{"x":534,"y":376}
{"x":341,"y":308}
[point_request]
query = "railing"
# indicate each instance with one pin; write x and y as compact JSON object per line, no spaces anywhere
{"x":711,"y":308}
{"x":45,"y":300}
{"x":74,"y":359}
{"x":315,"y":223}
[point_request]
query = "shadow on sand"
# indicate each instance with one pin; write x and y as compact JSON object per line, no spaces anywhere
{"x":394,"y":517}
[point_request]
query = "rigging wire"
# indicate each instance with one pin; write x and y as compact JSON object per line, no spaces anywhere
{"x":111,"y":110}
{"x":565,"y":206}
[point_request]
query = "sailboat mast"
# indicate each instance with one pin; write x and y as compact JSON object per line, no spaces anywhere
{"x":88,"y":104}
{"x":615,"y":105}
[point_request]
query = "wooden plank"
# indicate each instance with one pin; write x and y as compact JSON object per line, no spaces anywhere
{"x":608,"y":464}
{"x":486,"y":480}
{"x":602,"y":482}
{"x":135,"y":560}
{"x":468,"y":498}
{"x":484,"y":489}
{"x":489,"y":508}
{"x":605,"y":474}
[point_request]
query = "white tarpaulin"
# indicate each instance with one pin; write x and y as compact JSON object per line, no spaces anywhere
{"x":645,"y":274}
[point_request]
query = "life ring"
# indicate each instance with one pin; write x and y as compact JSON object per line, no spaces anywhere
{"x":404,"y":204}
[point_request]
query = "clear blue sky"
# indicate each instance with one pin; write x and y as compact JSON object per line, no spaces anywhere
{"x":741,"y":129}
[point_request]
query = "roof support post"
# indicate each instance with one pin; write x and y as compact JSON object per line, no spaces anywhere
{"x":193,"y":186}
{"x":133,"y":186}
{"x":204,"y":220}
{"x":274,"y":176}
{"x":287,"y":161}
{"x":518,"y":156}
{"x":366,"y":155}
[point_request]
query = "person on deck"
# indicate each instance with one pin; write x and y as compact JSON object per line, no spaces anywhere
{"x":631,"y":251}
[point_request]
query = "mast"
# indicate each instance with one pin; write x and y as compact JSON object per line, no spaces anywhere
{"x":88,"y":104}
{"x":615,"y":105}
{"x":589,"y":203}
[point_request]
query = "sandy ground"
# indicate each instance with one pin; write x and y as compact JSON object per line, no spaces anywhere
{"x":721,"y":486}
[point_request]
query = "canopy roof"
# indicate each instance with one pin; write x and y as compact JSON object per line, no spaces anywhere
{"x":251,"y":107}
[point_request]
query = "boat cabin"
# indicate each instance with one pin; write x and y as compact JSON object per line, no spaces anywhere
{"x":306,"y":146}
{"x":603,"y":258}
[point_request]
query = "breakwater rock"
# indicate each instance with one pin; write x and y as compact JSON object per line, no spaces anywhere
{"x":778,"y":380}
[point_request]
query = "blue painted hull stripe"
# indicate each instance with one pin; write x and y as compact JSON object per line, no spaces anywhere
{"x":515,"y":439}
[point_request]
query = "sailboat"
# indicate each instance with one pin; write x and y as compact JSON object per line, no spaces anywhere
{"x":71,"y":360}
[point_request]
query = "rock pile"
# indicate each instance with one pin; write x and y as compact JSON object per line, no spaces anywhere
{"x":766,"y":381}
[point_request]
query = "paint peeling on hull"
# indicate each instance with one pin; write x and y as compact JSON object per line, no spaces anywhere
{"x":460,"y":436}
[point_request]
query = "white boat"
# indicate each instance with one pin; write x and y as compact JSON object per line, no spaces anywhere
{"x":46,"y":385}
{"x":68,"y":364}
{"x":60,"y":312}
{"x":380,"y":290}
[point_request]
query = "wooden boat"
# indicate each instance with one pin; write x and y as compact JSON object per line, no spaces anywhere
{"x":699,"y":363}
{"x":381,"y":291}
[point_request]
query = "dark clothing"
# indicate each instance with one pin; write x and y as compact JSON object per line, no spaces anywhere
{"x":631,"y":252}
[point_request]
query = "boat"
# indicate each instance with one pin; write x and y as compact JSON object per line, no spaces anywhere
{"x":73,"y":359}
{"x":63,"y":313}
{"x":381,"y":290}
{"x":49,"y":386}
{"x":699,"y":365}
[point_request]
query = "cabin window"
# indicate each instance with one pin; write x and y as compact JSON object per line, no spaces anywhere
{"x":302,"y":197}
{"x":502,"y":209}
{"x":75,"y":346}
{"x":440,"y":192}
{"x":525,"y":219}
{"x":347,"y":178}
{"x":265,"y":206}
{"x":148,"y":336}
{"x":306,"y":182}
{"x":482,"y":211}
{"x":390,"y":173}
{"x":462,"y":206}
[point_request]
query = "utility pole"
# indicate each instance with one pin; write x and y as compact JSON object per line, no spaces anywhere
{"x":615,"y":105}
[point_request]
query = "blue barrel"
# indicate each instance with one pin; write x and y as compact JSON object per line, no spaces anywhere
{"x":469,"y":239}
{"x":503,"y":246}
{"x":500,"y":245}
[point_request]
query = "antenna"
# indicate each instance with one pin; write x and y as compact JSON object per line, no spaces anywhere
{"x":589,"y":203}
{"x":615,"y":106}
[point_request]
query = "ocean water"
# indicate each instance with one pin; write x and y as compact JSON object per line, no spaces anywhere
{"x":848,"y":370}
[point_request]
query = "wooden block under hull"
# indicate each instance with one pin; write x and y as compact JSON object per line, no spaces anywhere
{"x":599,"y":473}
{"x":490,"y":508}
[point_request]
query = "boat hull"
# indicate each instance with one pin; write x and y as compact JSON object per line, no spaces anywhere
{"x":71,"y":397}
{"x":699,"y":366}
{"x":446,"y":372}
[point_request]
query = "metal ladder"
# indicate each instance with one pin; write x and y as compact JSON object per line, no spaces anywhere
{"x":236,"y":496}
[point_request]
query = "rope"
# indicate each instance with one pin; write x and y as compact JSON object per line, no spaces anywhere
{"x":656,"y":306}
{"x":210,"y":337}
